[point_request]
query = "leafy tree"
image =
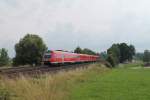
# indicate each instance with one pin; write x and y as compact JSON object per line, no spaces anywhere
{"x":78,"y":50}
{"x":121,"y":52}
{"x":88,"y":51}
{"x":131,"y":52}
{"x":4,"y":58}
{"x":114,"y":50}
{"x":29,"y":50}
{"x":124,"y":52}
{"x":146,"y":57}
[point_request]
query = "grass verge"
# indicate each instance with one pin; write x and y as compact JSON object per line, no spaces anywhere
{"x":47,"y":87}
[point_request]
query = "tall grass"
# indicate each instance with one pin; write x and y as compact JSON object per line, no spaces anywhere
{"x":46,"y":87}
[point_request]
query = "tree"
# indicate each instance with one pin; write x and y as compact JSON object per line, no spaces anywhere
{"x":29,"y":50}
{"x":85,"y":51}
{"x":114,"y":51}
{"x":4,"y":58}
{"x":78,"y":50}
{"x":88,"y":51}
{"x":146,"y":57}
{"x":121,"y":52}
{"x":131,"y":52}
{"x":124,"y":52}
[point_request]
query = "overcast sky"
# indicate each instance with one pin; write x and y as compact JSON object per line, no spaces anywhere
{"x":65,"y":24}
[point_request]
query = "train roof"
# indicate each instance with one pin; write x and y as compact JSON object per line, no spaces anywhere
{"x":63,"y":51}
{"x":60,"y":51}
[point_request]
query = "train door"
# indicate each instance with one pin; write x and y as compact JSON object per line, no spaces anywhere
{"x":63,"y":58}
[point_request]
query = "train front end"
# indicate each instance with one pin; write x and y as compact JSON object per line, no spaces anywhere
{"x":47,"y":58}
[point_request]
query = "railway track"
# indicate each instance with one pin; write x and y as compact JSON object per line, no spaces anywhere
{"x":36,"y":71}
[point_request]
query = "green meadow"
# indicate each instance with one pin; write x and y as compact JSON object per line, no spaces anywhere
{"x":128,"y":82}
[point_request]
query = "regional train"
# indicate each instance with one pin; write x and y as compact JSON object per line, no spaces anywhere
{"x":55,"y":57}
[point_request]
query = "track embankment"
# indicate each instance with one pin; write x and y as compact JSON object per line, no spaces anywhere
{"x":38,"y":70}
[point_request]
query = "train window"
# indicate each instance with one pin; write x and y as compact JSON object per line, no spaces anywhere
{"x":47,"y":56}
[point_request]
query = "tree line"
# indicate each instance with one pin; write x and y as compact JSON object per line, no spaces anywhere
{"x":143,"y":56}
{"x":30,"y":50}
{"x":85,"y":51}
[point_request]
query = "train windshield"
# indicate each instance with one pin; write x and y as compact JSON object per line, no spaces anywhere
{"x":47,"y":56}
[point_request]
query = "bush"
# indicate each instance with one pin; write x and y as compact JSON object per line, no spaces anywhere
{"x":111,"y":60}
{"x":107,"y":64}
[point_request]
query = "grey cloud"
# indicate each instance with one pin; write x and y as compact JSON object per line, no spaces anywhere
{"x":65,"y":24}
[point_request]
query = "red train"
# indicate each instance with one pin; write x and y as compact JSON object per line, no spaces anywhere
{"x":61,"y":57}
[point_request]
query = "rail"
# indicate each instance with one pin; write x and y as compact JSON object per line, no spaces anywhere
{"x":36,"y":71}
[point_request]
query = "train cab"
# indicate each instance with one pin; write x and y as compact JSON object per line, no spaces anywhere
{"x":47,"y":58}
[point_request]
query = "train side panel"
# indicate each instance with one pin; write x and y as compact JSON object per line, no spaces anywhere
{"x":56,"y":57}
{"x":59,"y":57}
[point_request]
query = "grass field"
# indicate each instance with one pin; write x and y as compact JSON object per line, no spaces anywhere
{"x":126,"y":82}
{"x":130,"y":82}
{"x":46,"y":87}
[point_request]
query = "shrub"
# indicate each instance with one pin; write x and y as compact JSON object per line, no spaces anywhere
{"x":107,"y":64}
{"x":111,"y":60}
